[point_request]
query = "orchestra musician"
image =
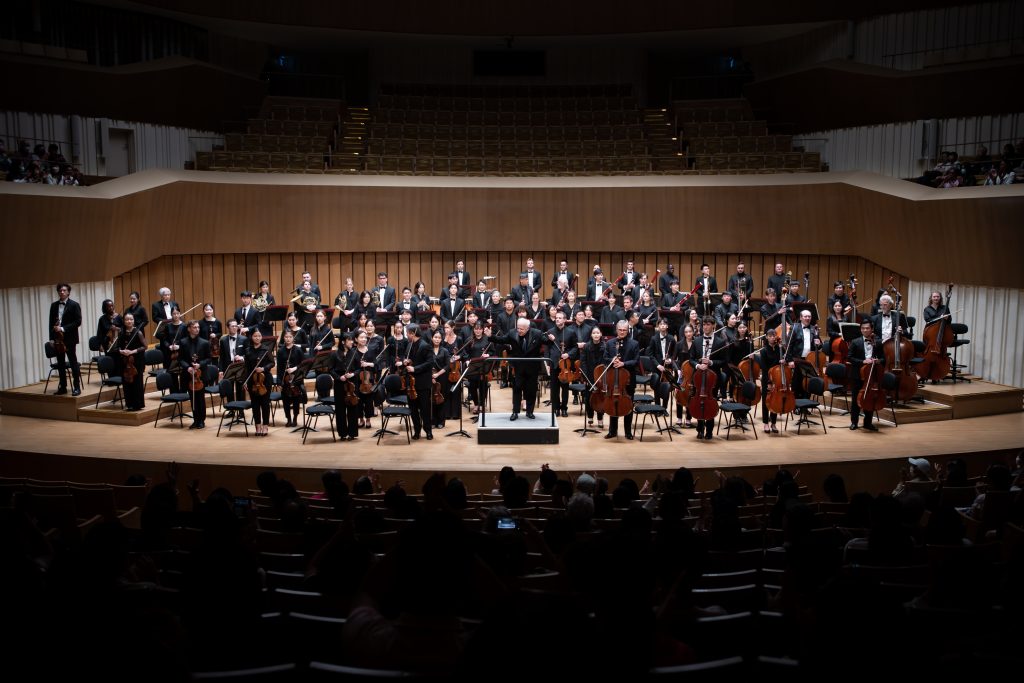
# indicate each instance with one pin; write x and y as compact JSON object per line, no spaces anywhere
{"x":344,"y":367}
{"x":385,"y":293}
{"x":704,"y":355}
{"x":935,"y":308}
{"x":138,"y":311}
{"x":232,"y":349}
{"x":495,"y":306}
{"x":562,"y":345}
{"x":833,"y":324}
{"x":131,"y":348}
{"x":440,"y":356}
{"x":777,"y":280}
{"x":306,"y":306}
{"x":647,"y":310}
{"x":406,"y":303}
{"x":418,"y":364}
{"x":684,"y":350}
{"x":259,"y":361}
{"x":170,"y":336}
{"x":453,"y":307}
{"x":210,"y":328}
{"x":523,"y":343}
{"x":108,"y":320}
{"x":706,"y":285}
{"x":301,"y":338}
{"x":267,"y":328}
{"x":794,"y":297}
{"x":462,"y":278}
{"x":420,"y":298}
{"x":888,"y":320}
{"x":536,"y":310}
{"x":725,"y":309}
{"x":804,"y":339}
{"x":865,"y":349}
{"x":613,"y":313}
{"x":364,"y":306}
{"x":570,"y":305}
{"x":376,"y":354}
{"x":347,"y":299}
{"x":771,"y":355}
{"x":321,"y":335}
{"x":65,"y":321}
{"x":628,"y":280}
{"x":661,"y":349}
{"x":592,"y":355}
{"x":770,"y":314}
{"x":672,"y":301}
{"x":162,"y":308}
{"x":582,"y":325}
{"x":666,"y":278}
{"x":453,"y":279}
{"x":740,"y":281}
{"x":476,"y":354}
{"x":523,"y":292}
{"x":558,"y":294}
{"x":289,"y":357}
{"x":563,"y":272}
{"x":533,"y":277}
{"x":598,"y":290}
{"x":247,"y":316}
{"x":839,"y":294}
{"x":622,"y":352}
{"x":314,"y":288}
{"x":194,"y":356}
{"x":482,"y":297}
{"x":743,"y":312}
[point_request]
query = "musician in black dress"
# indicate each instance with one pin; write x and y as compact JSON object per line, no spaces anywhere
{"x":130,"y":348}
{"x":343,"y":366}
{"x":661,"y":349}
{"x":648,"y":311}
{"x":771,"y":355}
{"x":301,"y":338}
{"x":137,"y":310}
{"x":672,"y":305}
{"x":194,"y":356}
{"x":170,"y":337}
{"x":839,"y":294}
{"x":592,"y":355}
{"x":420,"y":299}
{"x":440,"y":358}
{"x":293,"y":388}
{"x":561,"y":342}
{"x":107,"y":322}
{"x":833,"y":324}
{"x":684,"y":347}
{"x":65,"y":321}
{"x":865,"y":349}
{"x":259,"y":366}
{"x":210,"y":328}
{"x":321,"y":335}
{"x":524,"y":342}
{"x":622,"y":352}
{"x":366,"y":362}
{"x":376,"y":352}
{"x":476,"y":354}
{"x":266,"y":300}
{"x":705,"y":356}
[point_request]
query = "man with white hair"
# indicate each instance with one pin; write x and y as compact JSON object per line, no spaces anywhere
{"x":622,"y":352}
{"x":162,"y":308}
{"x":888,"y":320}
{"x":523,"y":342}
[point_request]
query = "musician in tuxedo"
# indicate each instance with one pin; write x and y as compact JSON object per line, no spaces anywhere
{"x":385,"y":292}
{"x":661,"y":349}
{"x":888,"y":320}
{"x":804,"y":338}
{"x":563,"y":271}
{"x":705,"y":355}
{"x":770,"y":314}
{"x":794,"y":297}
{"x":194,"y":356}
{"x":562,"y":345}
{"x":706,"y":285}
{"x":453,"y":279}
{"x":163,"y":307}
{"x":622,"y":352}
{"x":725,"y":309}
{"x":453,"y":308}
{"x":613,"y":313}
{"x":599,"y":290}
{"x":463,"y":279}
{"x":559,"y":293}
{"x":777,"y":280}
{"x":865,"y":349}
{"x":629,"y":279}
{"x":935,"y":308}
{"x":247,"y":316}
{"x":524,"y":342}
{"x":65,"y":320}
{"x":313,"y":287}
{"x":232,"y":348}
{"x":481,"y":297}
{"x":523,"y":292}
{"x":421,"y":365}
{"x":666,"y":278}
{"x":533,"y":277}
{"x":741,"y":280}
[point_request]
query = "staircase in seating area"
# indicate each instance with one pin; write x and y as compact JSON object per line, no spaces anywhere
{"x":721,"y":137}
{"x":287,"y":135}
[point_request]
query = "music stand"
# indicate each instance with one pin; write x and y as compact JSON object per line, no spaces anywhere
{"x":850,"y":331}
{"x":299,"y":378}
{"x":801,"y":306}
{"x":455,"y":386}
{"x":236,"y":374}
{"x":319,"y":364}
{"x":275,"y":313}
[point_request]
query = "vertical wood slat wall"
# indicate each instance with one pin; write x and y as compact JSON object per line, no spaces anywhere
{"x":218,"y":278}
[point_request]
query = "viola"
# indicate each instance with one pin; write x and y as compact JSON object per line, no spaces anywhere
{"x":437,"y":396}
{"x":702,"y":404}
{"x":365,"y":381}
{"x":259,"y":384}
{"x":568,"y":371}
{"x":58,"y":343}
{"x":351,"y":398}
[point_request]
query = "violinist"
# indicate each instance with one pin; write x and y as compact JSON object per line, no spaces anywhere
{"x":804,"y":338}
{"x":455,"y":343}
{"x":770,"y":310}
{"x":301,"y":338}
{"x":366,"y":362}
{"x":232,"y":349}
{"x":833,"y":324}
{"x":259,"y":364}
{"x":419,"y":362}
{"x":433,"y":324}
{"x":65,"y":319}
{"x":476,"y":354}
{"x":344,"y":368}
{"x":395,"y":340}
{"x":105,"y":332}
{"x":684,"y":351}
{"x":888,"y":320}
{"x":247,"y":316}
{"x":440,"y":356}
{"x":453,"y":308}
{"x":194,"y":356}
{"x":131,"y":348}
{"x":321,"y":335}
{"x":662,"y":349}
{"x":771,"y":355}
{"x":693,"y":320}
{"x":482,"y":297}
{"x":376,"y":353}
{"x":705,"y":356}
{"x":524,"y":342}
{"x":293,"y":389}
{"x":740,"y":281}
{"x":170,"y":336}
{"x":268,"y":300}
{"x":935,"y":308}
{"x":163,"y":308}
{"x":613,"y":313}
{"x":406,"y":303}
{"x":864,"y":350}
{"x":137,"y":310}
{"x":622,"y":352}
{"x":561,"y":341}
{"x":523,"y":292}
{"x":592,"y":355}
{"x":839,"y":294}
{"x":210,"y":328}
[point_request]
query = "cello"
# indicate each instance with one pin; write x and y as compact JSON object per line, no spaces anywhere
{"x":780,"y":398}
{"x":938,"y":336}
{"x":702,"y":404}
{"x":609,"y":395}
{"x":871,"y":396}
{"x":750,"y":370}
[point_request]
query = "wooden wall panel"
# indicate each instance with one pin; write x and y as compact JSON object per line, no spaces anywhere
{"x":219,"y":279}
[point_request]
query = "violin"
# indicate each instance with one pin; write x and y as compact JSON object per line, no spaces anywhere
{"x":365,"y":381}
{"x":214,"y":346}
{"x":197,"y":380}
{"x":568,"y":370}
{"x":938,"y":336}
{"x":290,"y":387}
{"x":58,"y":343}
{"x":130,"y":371}
{"x":437,"y":396}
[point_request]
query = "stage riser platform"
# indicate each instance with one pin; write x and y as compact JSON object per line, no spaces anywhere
{"x":912,"y":413}
{"x":975,"y":398}
{"x":500,"y":430}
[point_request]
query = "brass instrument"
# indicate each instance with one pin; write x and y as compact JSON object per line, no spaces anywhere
{"x":342,"y":300}
{"x":259,"y":302}
{"x":375,"y":299}
{"x":309,"y":303}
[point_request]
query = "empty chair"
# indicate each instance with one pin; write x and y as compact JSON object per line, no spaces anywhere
{"x":176,"y":399}
{"x":154,"y":361}
{"x":815,"y":387}
{"x":314,"y":411}
{"x":106,"y":366}
{"x":232,"y":409}
{"x":396,"y":407}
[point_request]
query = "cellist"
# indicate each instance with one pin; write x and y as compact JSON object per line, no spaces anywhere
{"x":833,"y":324}
{"x":771,"y":354}
{"x":662,"y":349}
{"x":704,"y":355}
{"x":622,"y":352}
{"x":863,"y":350}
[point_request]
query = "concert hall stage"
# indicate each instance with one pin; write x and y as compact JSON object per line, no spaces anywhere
{"x":88,"y":450}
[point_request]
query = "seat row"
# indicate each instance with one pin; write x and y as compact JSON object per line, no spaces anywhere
{"x":513,"y":133}
{"x":410,"y":165}
{"x":278,"y":161}
{"x":789,"y":160}
{"x":293,"y":128}
{"x":238,"y":142}
{"x":724,"y":129}
{"x":506,"y":149}
{"x":506,"y":104}
{"x":745,"y":143}
{"x":511,"y":118}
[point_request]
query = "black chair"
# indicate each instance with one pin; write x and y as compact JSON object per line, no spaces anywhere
{"x":657,"y":412}
{"x":154,"y":361}
{"x":645,"y":371}
{"x":954,"y":372}
{"x":211,"y":387}
{"x":804,"y":406}
{"x":396,"y":406}
{"x":51,"y":354}
{"x":97,"y":351}
{"x":165,"y":383}
{"x":275,"y":400}
{"x":106,"y":366}
{"x":233,"y":409}
{"x":737,"y":415}
{"x":324,"y":387}
{"x":836,"y":373}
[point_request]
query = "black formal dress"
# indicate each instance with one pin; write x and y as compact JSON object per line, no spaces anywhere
{"x":591,"y":356}
{"x":134,"y":341}
{"x":261,"y":357}
{"x":346,"y":417}
{"x":293,"y":388}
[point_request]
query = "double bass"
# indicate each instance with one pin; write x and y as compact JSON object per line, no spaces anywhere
{"x":898,"y":353}
{"x":938,"y":337}
{"x":780,"y":398}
